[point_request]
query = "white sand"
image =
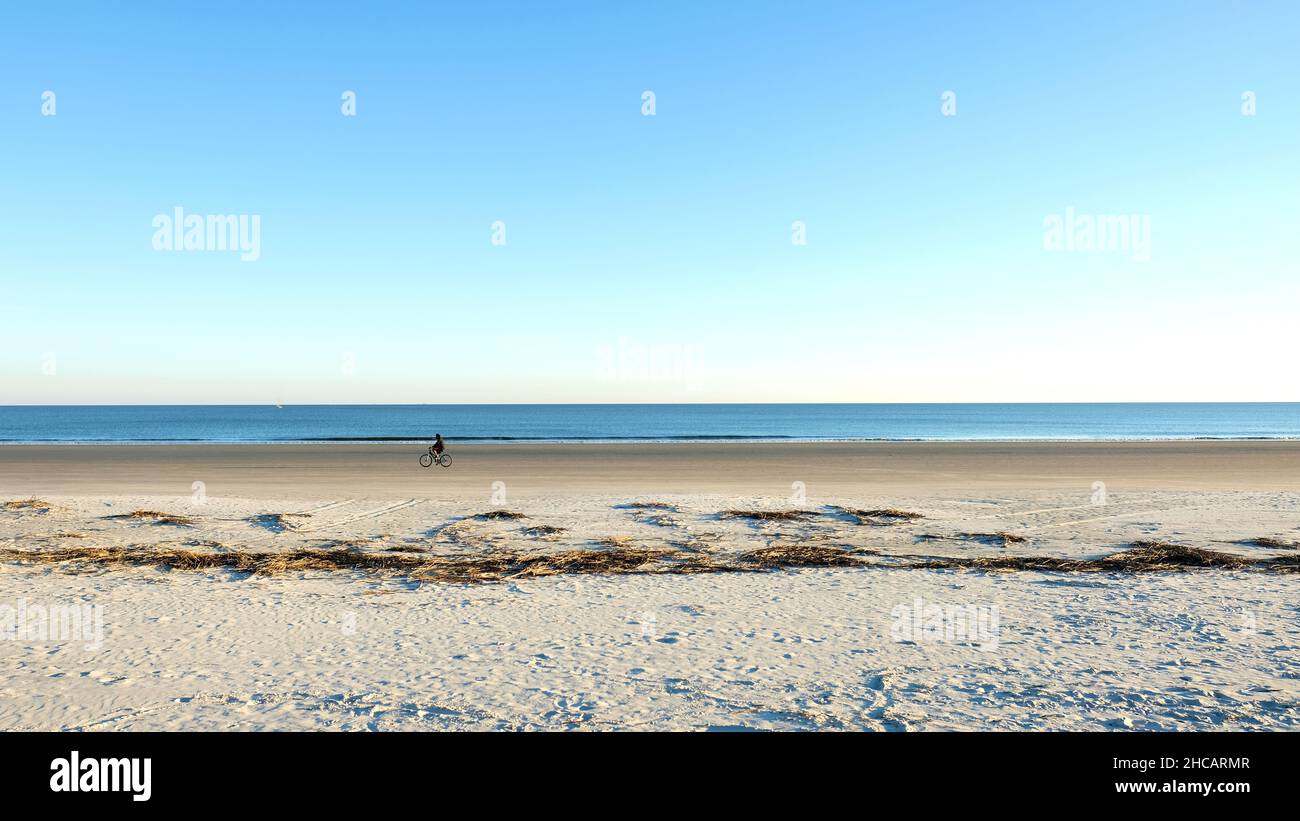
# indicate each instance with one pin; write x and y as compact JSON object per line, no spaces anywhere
{"x":792,"y":649}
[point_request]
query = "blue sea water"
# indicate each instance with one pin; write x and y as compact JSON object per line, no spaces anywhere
{"x":560,"y":423}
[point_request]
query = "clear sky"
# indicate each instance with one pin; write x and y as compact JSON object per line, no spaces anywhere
{"x":649,"y":258}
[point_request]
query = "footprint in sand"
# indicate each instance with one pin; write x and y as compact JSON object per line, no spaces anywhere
{"x":677,"y":686}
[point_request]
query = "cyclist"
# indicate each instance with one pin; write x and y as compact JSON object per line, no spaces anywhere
{"x":438,"y":447}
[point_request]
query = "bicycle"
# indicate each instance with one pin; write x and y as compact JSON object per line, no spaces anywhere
{"x":427,"y":459}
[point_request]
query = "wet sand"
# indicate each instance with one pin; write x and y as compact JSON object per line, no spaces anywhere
{"x":310,"y":470}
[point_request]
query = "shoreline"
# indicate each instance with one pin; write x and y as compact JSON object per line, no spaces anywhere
{"x":842,"y":469}
{"x":679,"y":440}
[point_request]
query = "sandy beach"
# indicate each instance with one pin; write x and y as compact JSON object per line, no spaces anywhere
{"x":304,"y":471}
{"x":869,"y":645}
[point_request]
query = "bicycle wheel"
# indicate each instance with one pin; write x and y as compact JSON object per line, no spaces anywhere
{"x":426,"y":459}
{"x":445,"y":460}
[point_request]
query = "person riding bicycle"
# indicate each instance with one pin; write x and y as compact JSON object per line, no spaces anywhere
{"x":438,"y":447}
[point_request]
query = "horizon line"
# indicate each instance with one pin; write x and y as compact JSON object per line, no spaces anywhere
{"x":623,"y":404}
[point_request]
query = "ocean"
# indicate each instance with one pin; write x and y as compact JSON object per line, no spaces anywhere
{"x":599,"y":423}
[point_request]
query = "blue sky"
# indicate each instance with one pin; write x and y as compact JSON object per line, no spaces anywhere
{"x":649,"y":258}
